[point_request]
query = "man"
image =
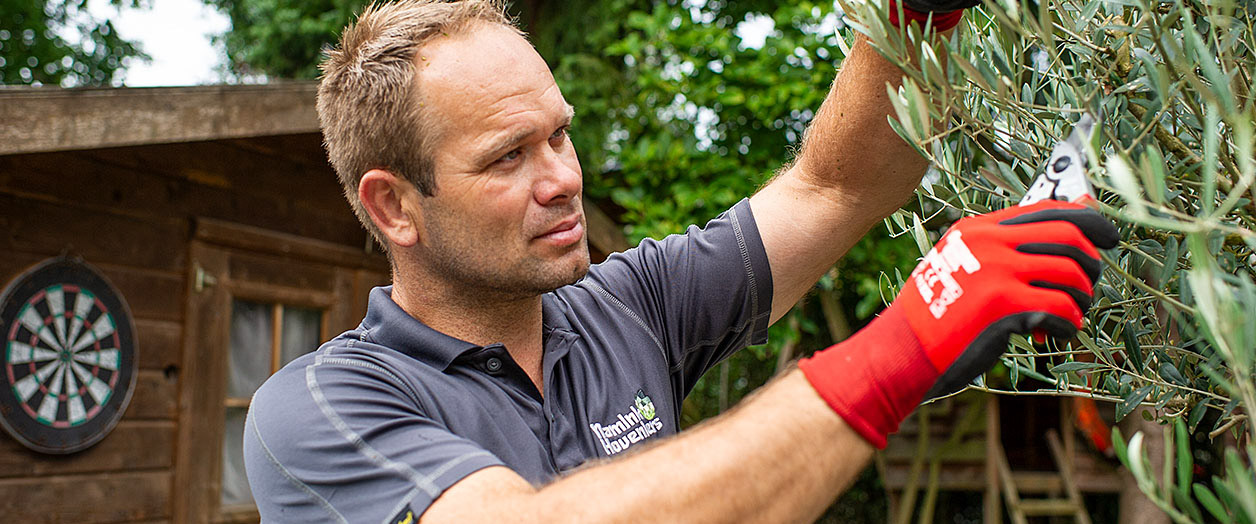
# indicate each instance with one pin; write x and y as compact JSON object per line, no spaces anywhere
{"x":499,"y":363}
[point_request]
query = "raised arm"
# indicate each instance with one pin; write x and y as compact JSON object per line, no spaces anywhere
{"x":852,"y":171}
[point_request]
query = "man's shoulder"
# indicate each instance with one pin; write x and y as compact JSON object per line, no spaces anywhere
{"x":338,"y":367}
{"x":338,"y":387}
{"x":585,"y":300}
{"x":631,"y":272}
{"x":364,"y":409}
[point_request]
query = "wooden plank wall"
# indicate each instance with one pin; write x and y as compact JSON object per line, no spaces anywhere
{"x":129,"y":212}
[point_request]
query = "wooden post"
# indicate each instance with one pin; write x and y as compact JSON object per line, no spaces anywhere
{"x":1064,"y":462}
{"x":993,"y":510}
{"x":1068,"y":431}
{"x":1009,"y":485}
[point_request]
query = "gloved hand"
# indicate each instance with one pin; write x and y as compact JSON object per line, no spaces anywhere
{"x":1020,"y":270}
{"x":946,"y":13}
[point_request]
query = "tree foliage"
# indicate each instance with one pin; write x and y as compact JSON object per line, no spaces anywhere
{"x":37,"y":44}
{"x":1172,"y":324}
{"x":282,"y":39}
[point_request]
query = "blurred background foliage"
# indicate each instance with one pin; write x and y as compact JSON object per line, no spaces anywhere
{"x":50,"y":42}
{"x":1172,"y":327}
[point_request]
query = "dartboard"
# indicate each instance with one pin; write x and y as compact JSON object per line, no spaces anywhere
{"x":68,"y":356}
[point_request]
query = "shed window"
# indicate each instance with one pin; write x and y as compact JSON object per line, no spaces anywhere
{"x":264,"y":337}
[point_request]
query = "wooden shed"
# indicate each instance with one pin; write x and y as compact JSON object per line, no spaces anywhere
{"x":213,"y":212}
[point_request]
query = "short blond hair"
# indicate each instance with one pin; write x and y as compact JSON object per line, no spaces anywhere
{"x":368,"y":101}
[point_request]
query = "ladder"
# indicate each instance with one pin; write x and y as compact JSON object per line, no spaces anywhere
{"x":1021,"y":509}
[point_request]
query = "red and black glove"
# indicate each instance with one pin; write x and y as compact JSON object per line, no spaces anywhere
{"x":946,"y":13}
{"x":1022,"y":270}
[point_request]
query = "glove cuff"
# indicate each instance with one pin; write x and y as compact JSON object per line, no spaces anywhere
{"x":942,"y":20}
{"x":874,"y":379}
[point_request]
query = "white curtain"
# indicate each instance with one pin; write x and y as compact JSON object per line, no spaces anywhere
{"x":252,"y":326}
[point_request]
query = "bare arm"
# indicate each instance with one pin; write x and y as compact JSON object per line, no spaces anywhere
{"x":781,"y":456}
{"x":853,"y":171}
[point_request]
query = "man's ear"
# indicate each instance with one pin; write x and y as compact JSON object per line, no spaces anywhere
{"x":391,"y":201}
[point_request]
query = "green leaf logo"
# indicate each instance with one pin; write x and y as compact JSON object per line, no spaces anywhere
{"x":645,"y":406}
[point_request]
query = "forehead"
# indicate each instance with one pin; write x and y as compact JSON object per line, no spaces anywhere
{"x":485,"y":77}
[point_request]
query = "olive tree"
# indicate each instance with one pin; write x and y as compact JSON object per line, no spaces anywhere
{"x":1173,"y":326}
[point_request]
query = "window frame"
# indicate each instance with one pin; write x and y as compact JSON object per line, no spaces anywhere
{"x":228,"y":262}
{"x":277,"y":299}
{"x":276,"y":339}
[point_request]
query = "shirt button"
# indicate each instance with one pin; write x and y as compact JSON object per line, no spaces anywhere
{"x":493,"y":364}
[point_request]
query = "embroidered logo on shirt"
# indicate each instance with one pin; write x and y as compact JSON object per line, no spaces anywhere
{"x":405,"y":516}
{"x":644,"y":405}
{"x":638,"y":423}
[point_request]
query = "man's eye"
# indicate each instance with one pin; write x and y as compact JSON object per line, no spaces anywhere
{"x":511,"y":156}
{"x":560,"y":133}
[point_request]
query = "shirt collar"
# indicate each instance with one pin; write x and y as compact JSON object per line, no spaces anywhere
{"x":389,"y":325}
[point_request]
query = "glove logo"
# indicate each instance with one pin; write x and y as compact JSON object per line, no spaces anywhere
{"x":938,"y":269}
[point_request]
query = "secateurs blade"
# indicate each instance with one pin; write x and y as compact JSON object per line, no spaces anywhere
{"x":1065,"y":175}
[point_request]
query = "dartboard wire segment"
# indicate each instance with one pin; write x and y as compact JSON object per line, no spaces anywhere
{"x":63,"y":363}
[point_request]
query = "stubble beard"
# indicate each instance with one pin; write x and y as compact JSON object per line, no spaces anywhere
{"x":478,"y":270}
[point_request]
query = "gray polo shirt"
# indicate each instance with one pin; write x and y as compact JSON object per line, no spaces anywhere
{"x":377,"y":422}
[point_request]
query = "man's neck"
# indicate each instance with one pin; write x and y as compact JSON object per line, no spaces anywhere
{"x":514,"y":323}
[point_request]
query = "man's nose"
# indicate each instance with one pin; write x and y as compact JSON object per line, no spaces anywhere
{"x":560,"y":179}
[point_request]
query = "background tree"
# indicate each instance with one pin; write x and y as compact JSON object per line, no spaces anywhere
{"x":282,"y":39}
{"x":37,"y":44}
{"x":1172,"y":327}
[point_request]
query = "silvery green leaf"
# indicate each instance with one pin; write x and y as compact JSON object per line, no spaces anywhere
{"x":1126,"y":185}
{"x":1170,"y":374}
{"x":1083,"y":18}
{"x":1132,"y":401}
{"x":1135,"y":453}
{"x":1210,"y":502}
{"x":1074,"y":366}
{"x":918,"y":234}
{"x":1153,"y":175}
{"x":1209,"y":169}
{"x":1170,"y":261}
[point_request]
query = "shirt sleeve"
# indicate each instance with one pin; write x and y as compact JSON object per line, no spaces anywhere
{"x":340,"y":440}
{"x":703,"y":295}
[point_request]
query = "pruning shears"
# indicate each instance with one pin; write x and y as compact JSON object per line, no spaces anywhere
{"x":1065,"y":175}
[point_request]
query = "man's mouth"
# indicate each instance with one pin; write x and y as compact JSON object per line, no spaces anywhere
{"x":565,"y":233}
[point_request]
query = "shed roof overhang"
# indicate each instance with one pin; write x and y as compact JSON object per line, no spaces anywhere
{"x":47,"y":119}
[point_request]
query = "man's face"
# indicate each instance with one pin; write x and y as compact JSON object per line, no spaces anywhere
{"x":506,"y":216}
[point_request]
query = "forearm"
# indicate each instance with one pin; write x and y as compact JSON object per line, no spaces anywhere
{"x":852,"y":171}
{"x":850,"y":148}
{"x":781,"y":456}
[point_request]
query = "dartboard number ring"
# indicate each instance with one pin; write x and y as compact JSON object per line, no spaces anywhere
{"x":68,"y":356}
